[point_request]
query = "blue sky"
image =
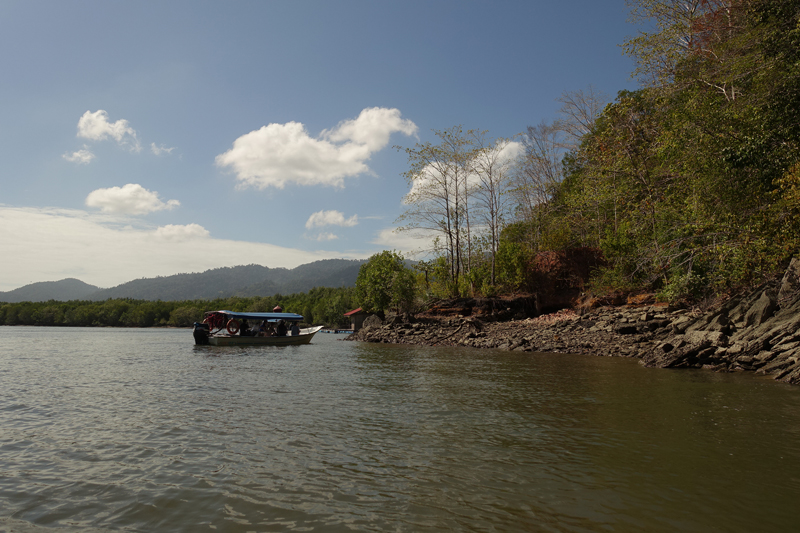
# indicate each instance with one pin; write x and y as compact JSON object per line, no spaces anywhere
{"x":140,"y":139}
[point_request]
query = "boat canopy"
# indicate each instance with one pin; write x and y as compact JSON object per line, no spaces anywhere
{"x":288,"y":317}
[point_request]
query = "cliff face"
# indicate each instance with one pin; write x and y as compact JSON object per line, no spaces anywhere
{"x":758,"y":331}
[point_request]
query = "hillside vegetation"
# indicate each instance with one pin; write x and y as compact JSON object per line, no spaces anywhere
{"x":688,"y":187}
{"x":321,"y":291}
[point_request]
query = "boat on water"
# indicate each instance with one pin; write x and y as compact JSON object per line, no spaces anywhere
{"x":230,"y":328}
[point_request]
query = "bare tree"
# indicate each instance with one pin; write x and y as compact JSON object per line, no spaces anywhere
{"x":579,"y":109}
{"x":438,"y":201}
{"x":492,"y":166}
{"x":538,"y":172}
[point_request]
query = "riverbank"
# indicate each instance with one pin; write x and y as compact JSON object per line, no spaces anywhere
{"x":758,"y":332}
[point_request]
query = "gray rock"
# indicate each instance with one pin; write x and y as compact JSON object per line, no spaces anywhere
{"x":372,"y":321}
{"x":739,"y":306}
{"x":625,"y":329}
{"x":790,"y":283}
{"x":720,"y":323}
{"x":761,"y":310}
{"x":682,"y":324}
{"x":788,"y":373}
{"x":697,"y":338}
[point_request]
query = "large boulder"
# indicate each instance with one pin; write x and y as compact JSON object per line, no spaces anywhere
{"x":372,"y":321}
{"x":762,"y":309}
{"x":791,"y":280}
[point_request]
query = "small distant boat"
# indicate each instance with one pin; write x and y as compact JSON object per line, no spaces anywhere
{"x":229,"y":328}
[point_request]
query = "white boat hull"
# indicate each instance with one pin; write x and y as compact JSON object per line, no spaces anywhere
{"x":304,"y":337}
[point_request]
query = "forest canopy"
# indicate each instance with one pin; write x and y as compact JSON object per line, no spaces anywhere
{"x":321,"y":305}
{"x":689,"y":186}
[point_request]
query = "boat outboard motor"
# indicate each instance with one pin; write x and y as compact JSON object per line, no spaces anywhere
{"x":200,"y":333}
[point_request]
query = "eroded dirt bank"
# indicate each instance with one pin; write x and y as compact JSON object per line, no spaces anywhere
{"x":758,"y":331}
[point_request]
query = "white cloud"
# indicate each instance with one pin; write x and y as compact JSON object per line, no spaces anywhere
{"x":176,"y":233}
{"x":412,"y":243}
{"x":278,"y":154}
{"x":326,"y":237}
{"x":430,"y":175}
{"x":158,"y":150}
{"x":330,"y":218}
{"x":96,"y":127}
{"x":105,"y":251}
{"x":511,"y":151}
{"x":372,"y":128}
{"x":83,"y":156}
{"x":130,"y":199}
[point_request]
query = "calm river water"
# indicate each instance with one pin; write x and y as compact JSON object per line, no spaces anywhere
{"x":139,"y":430}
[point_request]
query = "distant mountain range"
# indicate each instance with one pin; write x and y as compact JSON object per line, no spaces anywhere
{"x":248,"y":280}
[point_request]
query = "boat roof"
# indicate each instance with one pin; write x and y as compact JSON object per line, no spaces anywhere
{"x":289,"y":317}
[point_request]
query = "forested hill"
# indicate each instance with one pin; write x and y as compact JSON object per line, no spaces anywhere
{"x":64,"y":290}
{"x":249,"y":280}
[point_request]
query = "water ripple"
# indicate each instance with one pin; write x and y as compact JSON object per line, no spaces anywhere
{"x":139,"y":430}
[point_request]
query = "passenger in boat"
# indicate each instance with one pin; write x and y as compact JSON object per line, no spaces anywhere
{"x":265,"y":329}
{"x":245,"y":331}
{"x":295,"y":329}
{"x":281,"y":329}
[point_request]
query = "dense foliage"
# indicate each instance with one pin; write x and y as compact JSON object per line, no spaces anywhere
{"x":689,"y":186}
{"x":385,"y":283}
{"x":318,"y":306}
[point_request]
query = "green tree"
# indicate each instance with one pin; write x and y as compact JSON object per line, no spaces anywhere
{"x":185,"y":316}
{"x":385,"y":283}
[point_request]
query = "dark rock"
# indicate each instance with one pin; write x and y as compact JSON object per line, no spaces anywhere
{"x":372,"y":321}
{"x":626,"y":329}
{"x":790,"y":284}
{"x":788,"y":371}
{"x":757,"y":331}
{"x":682,"y":324}
{"x":654,"y":325}
{"x":719,"y":322}
{"x":762,"y":309}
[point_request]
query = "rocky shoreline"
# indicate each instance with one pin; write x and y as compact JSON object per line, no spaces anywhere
{"x":758,"y":331}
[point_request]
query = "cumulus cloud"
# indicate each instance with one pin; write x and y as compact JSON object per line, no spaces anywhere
{"x":130,"y":199}
{"x":277,"y":154}
{"x":104,"y":250}
{"x":412,"y":243}
{"x":159,"y":150}
{"x":372,"y":128}
{"x":96,"y":127}
{"x":330,"y":218}
{"x":83,"y":156}
{"x":504,"y":154}
{"x":177,"y":233}
{"x":326,"y":237}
